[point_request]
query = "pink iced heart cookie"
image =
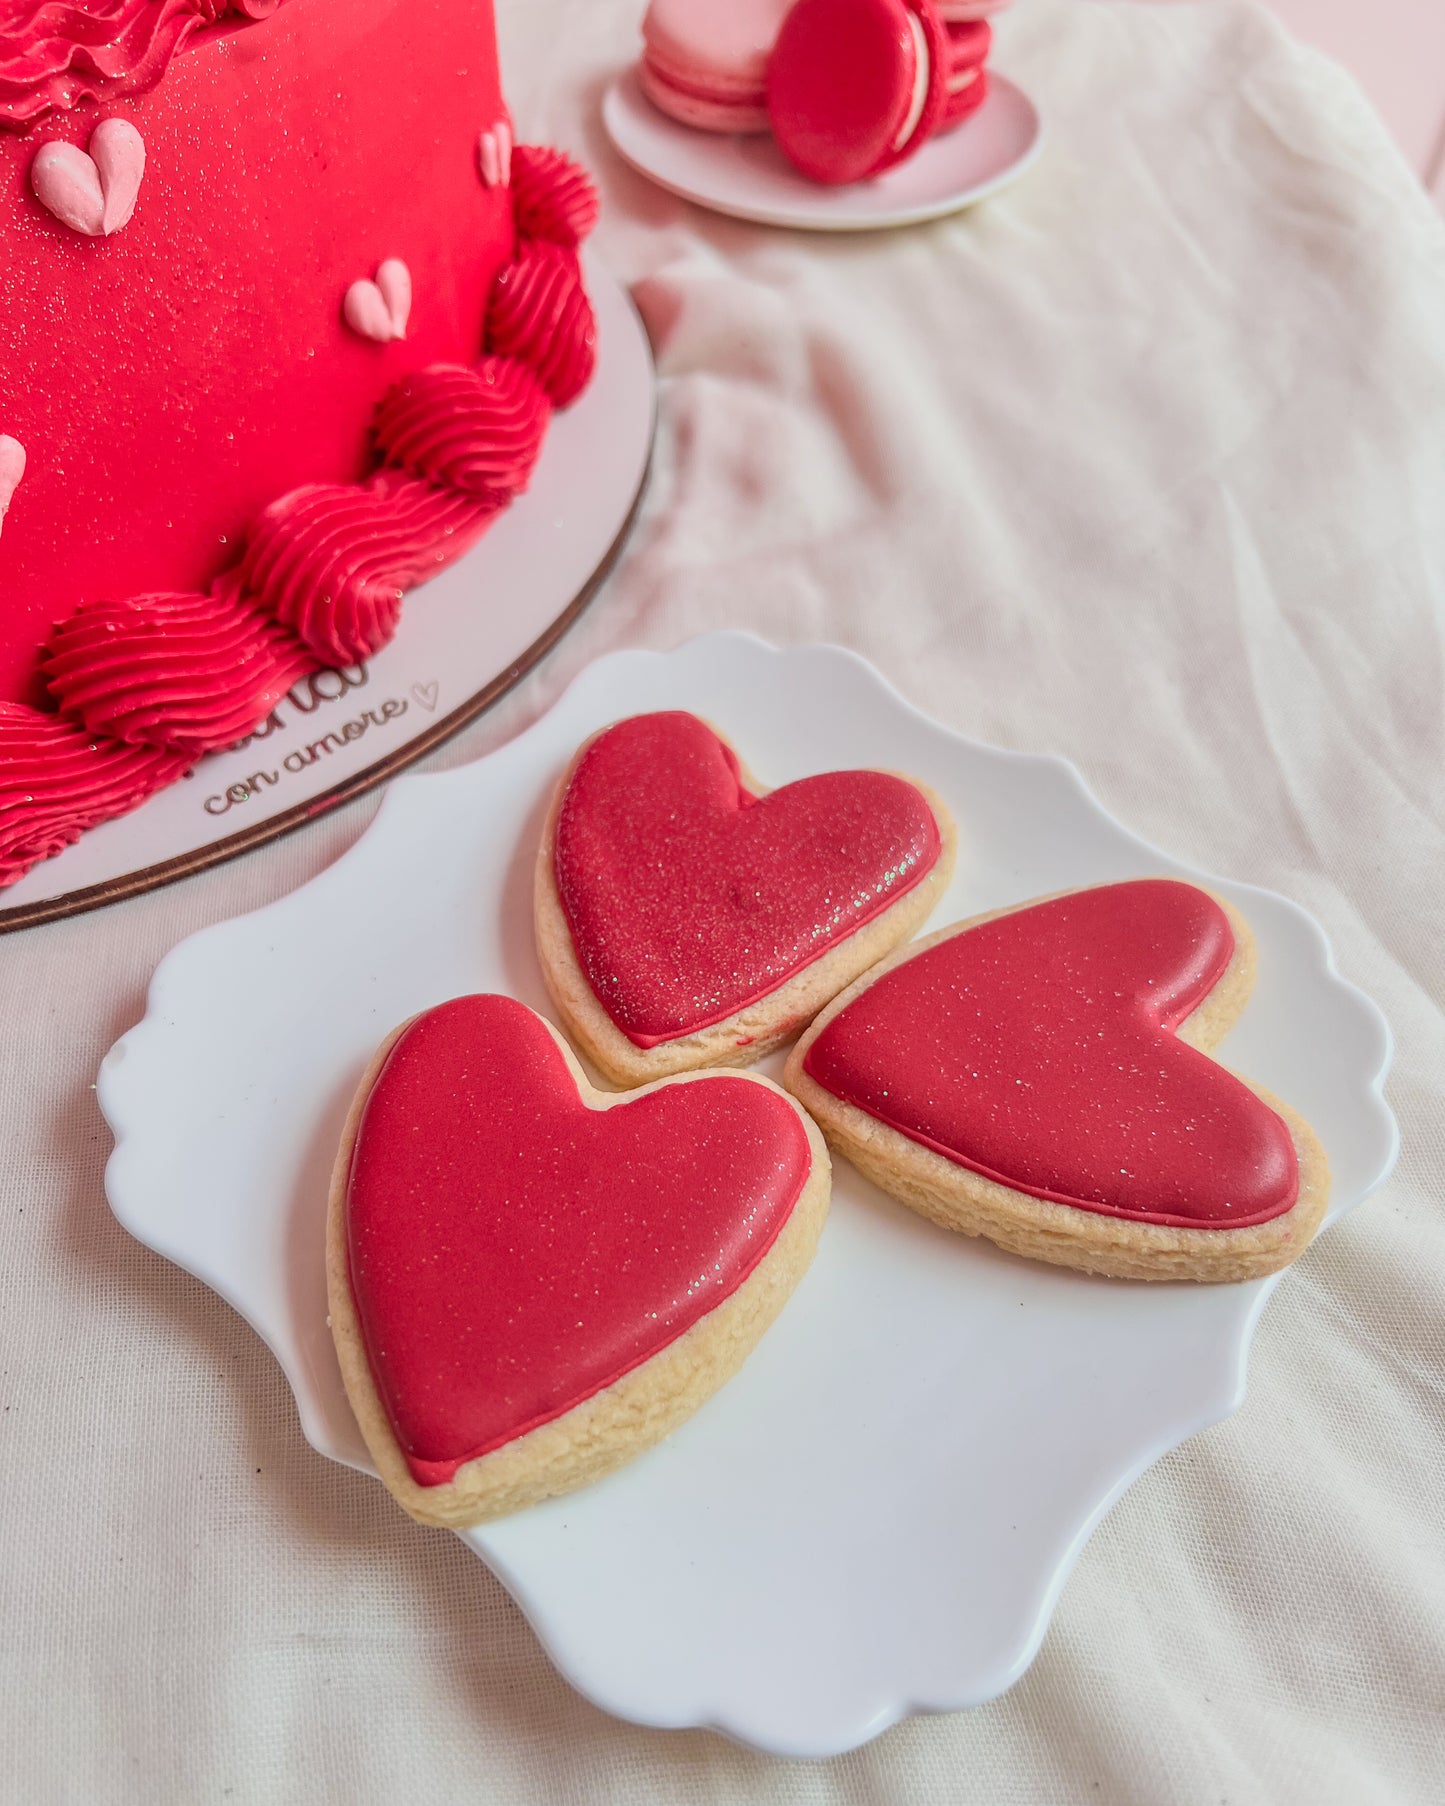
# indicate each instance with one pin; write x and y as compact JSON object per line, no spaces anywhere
{"x":1042,"y":1076}
{"x":12,"y":469}
{"x":92,"y":192}
{"x":531,"y":1281}
{"x":687,"y":917}
{"x":380,"y":309}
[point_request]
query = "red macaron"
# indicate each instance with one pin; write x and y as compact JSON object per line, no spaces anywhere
{"x":857,"y":86}
{"x":854,"y":86}
{"x":965,"y":79}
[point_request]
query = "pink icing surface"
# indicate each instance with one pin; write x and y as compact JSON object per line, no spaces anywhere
{"x":513,"y":1252}
{"x":689,"y":898}
{"x":1039,"y":1049}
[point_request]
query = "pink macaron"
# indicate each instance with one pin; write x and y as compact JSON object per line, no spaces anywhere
{"x":705,"y":62}
{"x":964,"y":12}
{"x":855,"y":86}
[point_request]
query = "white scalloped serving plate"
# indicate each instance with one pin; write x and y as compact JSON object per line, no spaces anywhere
{"x":877,"y":1515}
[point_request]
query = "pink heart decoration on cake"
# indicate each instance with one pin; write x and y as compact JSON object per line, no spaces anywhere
{"x":513,"y":1251}
{"x":494,"y":151}
{"x":12,"y":469}
{"x":689,"y":897}
{"x":379,"y":310}
{"x":92,"y":193}
{"x":1039,"y":1049}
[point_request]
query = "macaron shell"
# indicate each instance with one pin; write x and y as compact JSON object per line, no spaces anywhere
{"x":965,"y":81}
{"x":842,"y":84}
{"x":705,"y":62}
{"x":963,"y":102}
{"x":716,"y":112}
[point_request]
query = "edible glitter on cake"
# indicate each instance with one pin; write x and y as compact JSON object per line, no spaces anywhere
{"x":325,"y":566}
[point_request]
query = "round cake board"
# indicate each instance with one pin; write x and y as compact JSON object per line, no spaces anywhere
{"x":465,"y":639}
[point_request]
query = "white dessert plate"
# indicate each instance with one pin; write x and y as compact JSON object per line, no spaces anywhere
{"x":466,"y":637}
{"x":747,"y":176}
{"x":877,"y":1515}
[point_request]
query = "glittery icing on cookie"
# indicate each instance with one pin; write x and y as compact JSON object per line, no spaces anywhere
{"x":531,"y":1281}
{"x":1039,"y":1049}
{"x":689,"y":898}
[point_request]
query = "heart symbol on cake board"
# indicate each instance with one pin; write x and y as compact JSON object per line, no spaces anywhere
{"x":379,"y":310}
{"x":93,"y":193}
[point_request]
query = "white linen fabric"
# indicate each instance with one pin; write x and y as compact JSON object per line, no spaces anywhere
{"x":1142,"y":463}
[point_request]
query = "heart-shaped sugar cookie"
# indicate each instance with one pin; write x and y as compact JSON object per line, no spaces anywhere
{"x":1038,"y":1076}
{"x":94,"y":193}
{"x":531,"y":1281}
{"x":686,"y":917}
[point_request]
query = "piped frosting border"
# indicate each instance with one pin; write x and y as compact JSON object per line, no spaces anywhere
{"x":56,"y":54}
{"x":146,"y":685}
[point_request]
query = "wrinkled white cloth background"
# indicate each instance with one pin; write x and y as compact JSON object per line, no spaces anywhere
{"x":1142,"y":463}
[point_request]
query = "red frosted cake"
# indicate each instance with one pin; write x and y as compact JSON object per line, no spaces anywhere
{"x":285,"y":317}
